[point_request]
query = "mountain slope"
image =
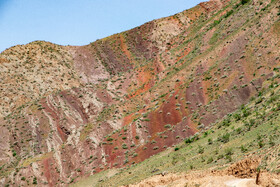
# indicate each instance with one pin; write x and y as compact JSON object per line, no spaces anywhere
{"x":248,"y":136}
{"x":124,"y":98}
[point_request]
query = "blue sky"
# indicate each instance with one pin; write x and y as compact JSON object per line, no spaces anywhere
{"x":78,"y":22}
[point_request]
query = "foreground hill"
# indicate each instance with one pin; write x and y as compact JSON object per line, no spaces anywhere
{"x":238,"y":147}
{"x":71,"y":111}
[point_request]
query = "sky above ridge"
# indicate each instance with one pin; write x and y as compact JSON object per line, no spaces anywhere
{"x":78,"y":22}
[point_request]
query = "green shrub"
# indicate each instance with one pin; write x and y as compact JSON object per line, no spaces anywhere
{"x":200,"y":149}
{"x":224,"y":138}
{"x":188,"y":140}
{"x":14,"y":153}
{"x":167,"y":126}
{"x":259,"y":100}
{"x":243,"y":2}
{"x":34,"y":180}
{"x":228,"y":157}
{"x":124,"y":146}
{"x":229,"y":13}
{"x":271,"y":142}
{"x":238,"y":130}
{"x":220,"y":156}
{"x":260,"y":143}
{"x":209,"y":160}
{"x":216,"y":22}
{"x":226,"y":122}
{"x":210,"y":141}
{"x":155,"y":148}
{"x":237,"y":116}
{"x":228,"y":152}
{"x":214,"y":38}
{"x":245,"y":113}
{"x":243,"y":149}
{"x":191,"y":139}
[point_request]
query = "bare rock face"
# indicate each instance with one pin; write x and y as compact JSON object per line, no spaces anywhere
{"x":68,"y":112}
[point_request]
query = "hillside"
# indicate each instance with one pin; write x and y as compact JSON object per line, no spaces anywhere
{"x":241,"y":144}
{"x":69,"y":112}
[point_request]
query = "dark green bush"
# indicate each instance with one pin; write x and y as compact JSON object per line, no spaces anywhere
{"x":220,"y":156}
{"x":188,"y":140}
{"x":210,"y":141}
{"x":124,"y":146}
{"x":228,"y":13}
{"x":243,"y":149}
{"x":226,"y":122}
{"x":260,"y":143}
{"x":34,"y":180}
{"x":191,"y":139}
{"x":271,"y":142}
{"x":216,"y":22}
{"x":228,"y":151}
{"x":110,"y":139}
{"x":243,"y":2}
{"x":237,"y":116}
{"x":224,"y":138}
{"x":238,"y":130}
{"x":14,"y":153}
{"x":209,"y":160}
{"x":200,"y":150}
{"x":228,"y":157}
{"x":245,"y":113}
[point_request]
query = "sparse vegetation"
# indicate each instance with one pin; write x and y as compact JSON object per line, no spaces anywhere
{"x":212,"y":82}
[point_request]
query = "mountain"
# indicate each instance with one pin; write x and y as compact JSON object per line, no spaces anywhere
{"x":68,"y":112}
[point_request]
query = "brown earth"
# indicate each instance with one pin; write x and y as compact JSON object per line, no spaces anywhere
{"x":240,"y":174}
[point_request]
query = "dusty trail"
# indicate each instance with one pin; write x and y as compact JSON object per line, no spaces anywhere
{"x":241,"y":183}
{"x":191,"y":180}
{"x":239,"y":174}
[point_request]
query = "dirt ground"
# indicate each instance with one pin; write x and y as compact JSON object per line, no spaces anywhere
{"x":203,"y":180}
{"x":240,"y":174}
{"x":194,"y":180}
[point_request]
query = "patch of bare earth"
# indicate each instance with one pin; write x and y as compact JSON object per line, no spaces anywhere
{"x":240,"y":174}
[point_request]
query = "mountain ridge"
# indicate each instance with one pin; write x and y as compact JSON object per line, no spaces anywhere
{"x":124,"y":98}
